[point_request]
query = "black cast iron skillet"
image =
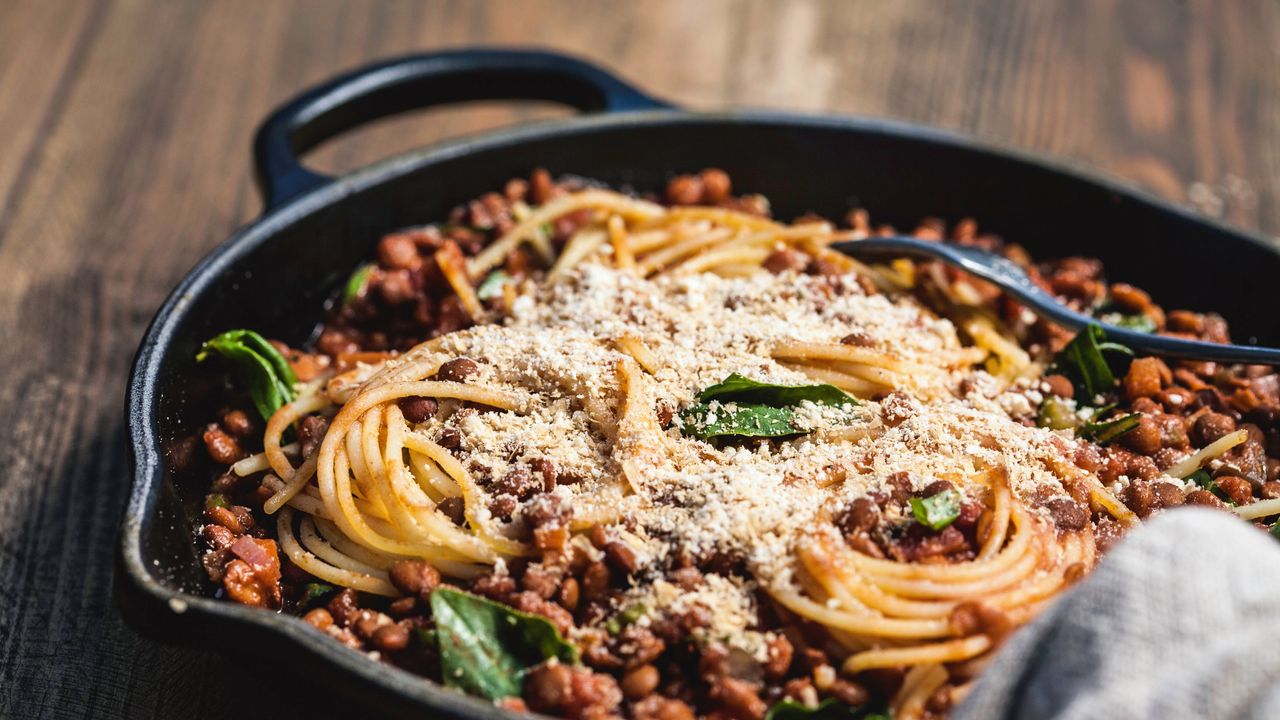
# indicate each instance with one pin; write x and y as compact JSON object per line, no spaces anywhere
{"x":274,"y":274}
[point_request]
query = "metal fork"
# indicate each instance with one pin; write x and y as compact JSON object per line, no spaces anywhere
{"x":1009,"y":277}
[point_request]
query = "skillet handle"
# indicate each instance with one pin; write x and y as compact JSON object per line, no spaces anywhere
{"x":419,"y":81}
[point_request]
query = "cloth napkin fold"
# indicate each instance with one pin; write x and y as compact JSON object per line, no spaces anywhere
{"x":1180,"y":620}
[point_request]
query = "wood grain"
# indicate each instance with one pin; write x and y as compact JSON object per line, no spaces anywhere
{"x":124,"y":135}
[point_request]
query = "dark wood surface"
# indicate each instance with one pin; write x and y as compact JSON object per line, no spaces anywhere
{"x":124,"y":136}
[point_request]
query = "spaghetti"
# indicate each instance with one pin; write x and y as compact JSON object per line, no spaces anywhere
{"x":883,"y":546}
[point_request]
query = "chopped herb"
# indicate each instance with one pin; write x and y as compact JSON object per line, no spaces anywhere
{"x":1137,"y":323}
{"x":1058,"y":414}
{"x":313,"y":593}
{"x":1109,"y":430}
{"x":829,"y":709}
{"x":742,"y":407}
{"x":216,"y":500}
{"x":487,"y":648}
{"x":1205,"y":481}
{"x":355,"y":283}
{"x":1084,"y":361}
{"x":1275,"y":530}
{"x":492,"y":285}
{"x":258,"y":365}
{"x":625,"y":618}
{"x":938,"y":511}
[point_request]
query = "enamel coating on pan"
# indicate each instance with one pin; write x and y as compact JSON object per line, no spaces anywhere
{"x":274,"y":274}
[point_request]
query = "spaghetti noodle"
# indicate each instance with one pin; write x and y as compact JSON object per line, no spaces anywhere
{"x":544,"y":457}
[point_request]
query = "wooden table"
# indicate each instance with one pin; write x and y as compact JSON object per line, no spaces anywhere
{"x":124,"y":137}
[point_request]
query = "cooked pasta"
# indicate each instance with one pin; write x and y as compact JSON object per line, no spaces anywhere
{"x":725,"y":466}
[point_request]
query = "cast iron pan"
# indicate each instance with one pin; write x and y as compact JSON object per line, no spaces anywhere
{"x":274,"y":274}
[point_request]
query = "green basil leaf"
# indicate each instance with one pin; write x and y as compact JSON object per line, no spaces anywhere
{"x":492,"y":285}
{"x":1201,"y":478}
{"x":487,"y":648}
{"x":1084,"y":362}
{"x":1205,"y":481}
{"x":705,"y":421}
{"x":355,"y":283}
{"x":741,"y":407}
{"x":829,"y":709}
{"x":744,"y":390}
{"x":258,"y":365}
{"x":312,"y":594}
{"x":1108,"y":430}
{"x":938,"y":511}
{"x":1275,"y":530}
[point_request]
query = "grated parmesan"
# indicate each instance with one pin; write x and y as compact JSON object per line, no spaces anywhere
{"x":751,"y":499}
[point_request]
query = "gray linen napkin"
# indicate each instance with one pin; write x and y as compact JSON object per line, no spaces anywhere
{"x":1180,"y":620}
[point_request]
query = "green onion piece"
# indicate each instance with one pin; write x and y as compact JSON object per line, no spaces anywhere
{"x":625,"y":618}
{"x":938,"y":511}
{"x":355,"y":283}
{"x":313,"y":593}
{"x":1058,"y":414}
{"x":1108,"y":431}
{"x":492,"y":285}
{"x":1137,"y":323}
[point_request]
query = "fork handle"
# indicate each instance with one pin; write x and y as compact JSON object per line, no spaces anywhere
{"x":1012,"y":279}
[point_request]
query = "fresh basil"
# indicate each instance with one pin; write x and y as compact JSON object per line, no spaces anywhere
{"x":829,"y":709}
{"x":937,"y":511}
{"x":1108,"y":430}
{"x":1275,"y":530}
{"x":487,"y":648}
{"x":1201,"y":478}
{"x":705,"y":421}
{"x":744,"y":390}
{"x":492,"y":285}
{"x":1205,"y":481}
{"x":625,"y":618}
{"x":741,"y":407}
{"x":312,"y":594}
{"x":258,"y":365}
{"x":355,"y":283}
{"x":1083,"y":360}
